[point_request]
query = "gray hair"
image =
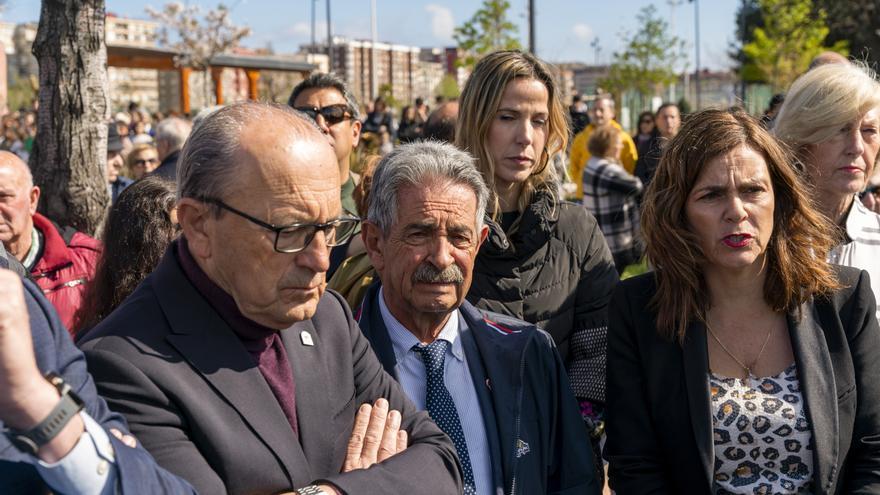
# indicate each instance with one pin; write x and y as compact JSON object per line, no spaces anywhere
{"x":207,"y":166}
{"x":419,"y":164}
{"x":173,"y":131}
{"x":322,"y":80}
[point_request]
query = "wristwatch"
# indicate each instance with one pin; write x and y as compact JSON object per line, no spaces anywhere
{"x":310,"y":490}
{"x":31,"y":440}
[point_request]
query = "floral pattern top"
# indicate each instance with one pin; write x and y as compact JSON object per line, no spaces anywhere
{"x":763,"y":441}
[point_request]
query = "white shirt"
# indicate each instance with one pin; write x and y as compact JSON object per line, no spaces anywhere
{"x":457,"y":378}
{"x":863,"y":249}
{"x":89,"y":468}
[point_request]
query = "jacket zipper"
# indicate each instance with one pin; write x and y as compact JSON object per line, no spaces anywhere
{"x":519,"y":394}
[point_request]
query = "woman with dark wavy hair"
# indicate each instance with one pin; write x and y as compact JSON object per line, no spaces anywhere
{"x":140,"y":225}
{"x":745,"y":363}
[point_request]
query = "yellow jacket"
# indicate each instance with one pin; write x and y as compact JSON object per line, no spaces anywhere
{"x":579,"y":155}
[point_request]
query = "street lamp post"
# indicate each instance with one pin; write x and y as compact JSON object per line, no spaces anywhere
{"x":329,"y":40}
{"x":532,"y":26}
{"x":697,"y":49}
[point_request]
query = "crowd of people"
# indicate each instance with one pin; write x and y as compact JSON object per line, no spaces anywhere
{"x":697,"y":315}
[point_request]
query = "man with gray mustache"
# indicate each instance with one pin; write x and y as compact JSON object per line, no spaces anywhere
{"x":495,"y":384}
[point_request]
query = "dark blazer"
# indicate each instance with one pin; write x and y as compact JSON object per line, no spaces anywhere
{"x":196,"y":399}
{"x":138,"y":472}
{"x":659,"y":425}
{"x":537,"y":439}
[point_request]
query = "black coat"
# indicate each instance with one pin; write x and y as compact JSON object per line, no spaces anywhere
{"x":659,"y":427}
{"x":195,"y":398}
{"x":554,"y":270}
{"x":536,"y":436}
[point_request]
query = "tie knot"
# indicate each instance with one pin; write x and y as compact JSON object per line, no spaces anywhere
{"x":433,"y":354}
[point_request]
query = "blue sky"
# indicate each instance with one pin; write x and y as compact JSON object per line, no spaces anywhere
{"x":564,"y":28}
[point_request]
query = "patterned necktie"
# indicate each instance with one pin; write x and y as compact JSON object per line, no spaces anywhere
{"x":442,"y":409}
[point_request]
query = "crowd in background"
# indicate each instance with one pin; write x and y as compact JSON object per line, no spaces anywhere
{"x":691,"y":302}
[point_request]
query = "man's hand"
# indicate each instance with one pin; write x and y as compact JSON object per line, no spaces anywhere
{"x":19,"y":376}
{"x":27,"y":397}
{"x":376,"y":436}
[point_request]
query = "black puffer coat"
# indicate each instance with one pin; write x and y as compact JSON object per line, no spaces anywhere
{"x":554,"y":270}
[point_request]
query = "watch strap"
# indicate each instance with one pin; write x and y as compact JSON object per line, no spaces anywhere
{"x":310,"y":490}
{"x":67,"y":407}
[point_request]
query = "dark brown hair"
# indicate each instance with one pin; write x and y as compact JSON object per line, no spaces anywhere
{"x":799,"y":244}
{"x":137,"y":232}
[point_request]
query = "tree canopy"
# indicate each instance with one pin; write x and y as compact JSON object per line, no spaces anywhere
{"x":649,"y":61}
{"x":782,"y":39}
{"x":487,"y":31}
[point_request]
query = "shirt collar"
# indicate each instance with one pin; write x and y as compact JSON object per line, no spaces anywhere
{"x":858,"y":221}
{"x":402,"y":340}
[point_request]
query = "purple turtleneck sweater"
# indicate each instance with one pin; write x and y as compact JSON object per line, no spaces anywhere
{"x":264,"y":344}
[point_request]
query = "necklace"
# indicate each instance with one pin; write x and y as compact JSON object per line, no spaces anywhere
{"x":748,"y":369}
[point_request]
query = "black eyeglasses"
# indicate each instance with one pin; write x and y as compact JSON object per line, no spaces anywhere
{"x":295,"y":237}
{"x":333,"y":114}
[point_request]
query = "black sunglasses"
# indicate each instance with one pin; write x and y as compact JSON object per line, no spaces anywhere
{"x":332,"y":114}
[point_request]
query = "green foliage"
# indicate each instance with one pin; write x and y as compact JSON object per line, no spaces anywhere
{"x":794,"y":32}
{"x":855,"y":21}
{"x":684,"y":106}
{"x":21,"y":93}
{"x":487,"y":31}
{"x":649,"y":60}
{"x":448,"y":87}
{"x":386,"y":92}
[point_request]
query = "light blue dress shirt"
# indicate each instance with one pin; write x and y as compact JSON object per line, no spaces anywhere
{"x":88,"y":469}
{"x":457,"y":378}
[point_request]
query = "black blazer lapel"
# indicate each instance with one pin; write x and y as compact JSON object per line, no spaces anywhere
{"x":695,"y":358}
{"x":373,"y":327}
{"x":210,"y":346}
{"x":816,"y":376}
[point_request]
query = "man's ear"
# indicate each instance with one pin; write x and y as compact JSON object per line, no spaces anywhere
{"x":34,"y":199}
{"x":355,"y":133}
{"x":484,"y":233}
{"x":374,"y":243}
{"x":193,"y":217}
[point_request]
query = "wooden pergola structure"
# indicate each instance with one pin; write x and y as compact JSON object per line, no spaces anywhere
{"x":163,"y":59}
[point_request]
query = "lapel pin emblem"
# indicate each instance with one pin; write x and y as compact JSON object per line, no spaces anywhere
{"x":306,"y":338}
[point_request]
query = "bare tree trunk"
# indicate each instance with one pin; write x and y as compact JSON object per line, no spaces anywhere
{"x":70,"y":149}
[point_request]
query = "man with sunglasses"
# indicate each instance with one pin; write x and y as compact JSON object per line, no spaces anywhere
{"x":330,"y":103}
{"x":231,"y":363}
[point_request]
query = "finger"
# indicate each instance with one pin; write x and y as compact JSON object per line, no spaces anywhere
{"x":126,"y":439}
{"x":356,"y":441}
{"x":373,"y":438}
{"x":402,"y":441}
{"x":389,"y":437}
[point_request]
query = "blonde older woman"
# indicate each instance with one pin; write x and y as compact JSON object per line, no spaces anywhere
{"x":142,"y":159}
{"x":831,"y":119}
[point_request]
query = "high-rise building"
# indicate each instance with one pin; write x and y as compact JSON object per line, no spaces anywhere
{"x":403,"y":69}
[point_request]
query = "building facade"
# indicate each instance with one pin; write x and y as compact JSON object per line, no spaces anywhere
{"x":409,"y":72}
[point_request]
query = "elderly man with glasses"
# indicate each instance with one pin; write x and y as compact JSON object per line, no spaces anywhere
{"x":231,"y":363}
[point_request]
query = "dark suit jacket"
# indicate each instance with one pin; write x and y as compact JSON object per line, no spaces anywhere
{"x":196,"y":399}
{"x":659,"y":426}
{"x":536,"y":436}
{"x":138,"y":472}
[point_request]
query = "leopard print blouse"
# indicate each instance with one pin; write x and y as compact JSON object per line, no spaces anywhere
{"x":763,"y":441}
